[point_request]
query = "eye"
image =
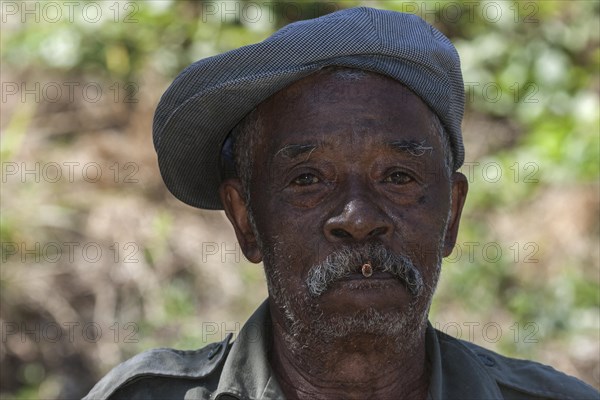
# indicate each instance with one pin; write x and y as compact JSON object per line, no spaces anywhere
{"x":398,"y":178}
{"x":305,"y":180}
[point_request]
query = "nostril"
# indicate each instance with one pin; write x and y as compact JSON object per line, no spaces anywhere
{"x":380,"y":231}
{"x":340,"y":233}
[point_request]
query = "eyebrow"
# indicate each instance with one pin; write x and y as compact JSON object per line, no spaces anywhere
{"x":413,"y":147}
{"x":292,"y":151}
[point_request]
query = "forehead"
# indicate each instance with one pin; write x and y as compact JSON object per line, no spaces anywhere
{"x":335,"y":106}
{"x":330,"y":86}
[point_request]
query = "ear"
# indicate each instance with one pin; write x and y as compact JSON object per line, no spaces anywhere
{"x":460,"y":187}
{"x":232,"y":197}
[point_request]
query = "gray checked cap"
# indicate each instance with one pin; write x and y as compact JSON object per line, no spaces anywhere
{"x":207,"y":100}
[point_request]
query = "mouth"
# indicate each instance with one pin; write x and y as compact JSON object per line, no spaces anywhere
{"x":357,"y":283}
{"x":377,"y":275}
{"x":372,"y":267}
{"x":377,"y":280}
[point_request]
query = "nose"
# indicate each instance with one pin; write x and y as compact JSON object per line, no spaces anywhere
{"x":360,"y":220}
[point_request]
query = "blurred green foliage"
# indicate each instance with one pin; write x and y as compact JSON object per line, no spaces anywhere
{"x":531,"y":74}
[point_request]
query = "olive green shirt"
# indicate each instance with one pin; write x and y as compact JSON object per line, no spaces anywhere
{"x":241,"y":370}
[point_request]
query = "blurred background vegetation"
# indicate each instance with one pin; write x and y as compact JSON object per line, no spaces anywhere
{"x":100,"y":262}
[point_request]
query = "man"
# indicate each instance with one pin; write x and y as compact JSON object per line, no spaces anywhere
{"x":333,"y":148}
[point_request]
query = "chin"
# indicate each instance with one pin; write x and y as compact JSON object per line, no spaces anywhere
{"x":398,"y":329}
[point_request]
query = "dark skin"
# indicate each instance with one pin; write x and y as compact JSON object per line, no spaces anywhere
{"x":339,"y":164}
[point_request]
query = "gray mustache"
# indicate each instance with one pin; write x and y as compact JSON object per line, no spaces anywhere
{"x":342,"y":263}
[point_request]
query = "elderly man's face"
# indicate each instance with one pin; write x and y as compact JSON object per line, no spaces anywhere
{"x":349,"y":171}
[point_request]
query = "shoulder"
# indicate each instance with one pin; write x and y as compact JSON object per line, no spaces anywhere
{"x":164,"y":373}
{"x":524,"y":379}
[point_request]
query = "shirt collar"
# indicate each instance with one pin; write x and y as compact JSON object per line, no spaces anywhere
{"x":247,"y":373}
{"x":456,"y":372}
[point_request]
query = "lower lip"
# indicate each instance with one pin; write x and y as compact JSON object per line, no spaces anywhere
{"x":375,"y":276}
{"x":361,"y":283}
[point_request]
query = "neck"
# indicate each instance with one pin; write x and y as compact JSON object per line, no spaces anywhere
{"x":352,"y":367}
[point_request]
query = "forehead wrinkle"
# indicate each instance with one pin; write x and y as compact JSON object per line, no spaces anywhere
{"x":292,"y":151}
{"x":412,"y":147}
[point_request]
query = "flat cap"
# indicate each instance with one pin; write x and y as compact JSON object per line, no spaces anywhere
{"x":207,"y":100}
